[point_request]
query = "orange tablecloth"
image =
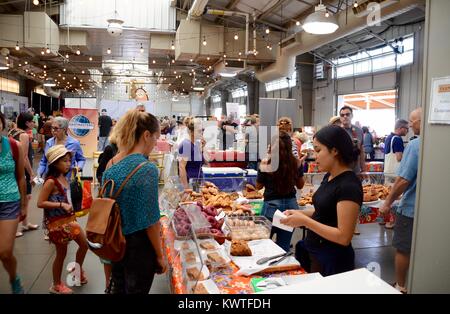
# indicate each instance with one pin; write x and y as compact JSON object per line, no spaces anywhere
{"x":226,"y":279}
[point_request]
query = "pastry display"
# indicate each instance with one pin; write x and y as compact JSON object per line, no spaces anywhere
{"x":194,"y":273}
{"x":208,"y":245}
{"x":248,"y":228}
{"x":215,"y":258}
{"x":373,"y":192}
{"x":306,"y":199}
{"x":240,"y":248}
{"x":189,"y":257}
{"x":185,"y":246}
{"x":200,"y":288}
{"x":250,"y":192}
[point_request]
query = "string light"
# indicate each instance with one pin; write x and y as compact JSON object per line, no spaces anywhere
{"x":236,"y":37}
{"x":355,"y":4}
{"x":297,"y":23}
{"x":208,"y":58}
{"x":36,"y":2}
{"x":26,"y":62}
{"x":204,"y":41}
{"x":154,"y":61}
{"x":64,"y":69}
{"x":90,"y":58}
{"x":108,"y":51}
{"x":267,"y":30}
{"x":78,"y":52}
{"x":172,"y":46}
{"x":67,"y":56}
{"x":141,"y":49}
{"x":42,"y":51}
{"x":17,"y":46}
{"x":327,"y":14}
{"x":82,"y":72}
{"x":45,"y":66}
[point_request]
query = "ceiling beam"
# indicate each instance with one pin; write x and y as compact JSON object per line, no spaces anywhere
{"x":272,"y":9}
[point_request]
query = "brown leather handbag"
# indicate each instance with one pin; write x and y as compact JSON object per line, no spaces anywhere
{"x":104,"y":227}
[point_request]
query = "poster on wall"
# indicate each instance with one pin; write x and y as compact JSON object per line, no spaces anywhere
{"x":440,"y":101}
{"x":83,"y":125}
{"x":233,"y":111}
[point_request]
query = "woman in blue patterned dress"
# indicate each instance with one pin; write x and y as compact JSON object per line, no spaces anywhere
{"x":136,"y":134}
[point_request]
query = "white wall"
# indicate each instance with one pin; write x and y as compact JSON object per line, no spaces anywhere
{"x":162,"y":99}
{"x":430,"y":258}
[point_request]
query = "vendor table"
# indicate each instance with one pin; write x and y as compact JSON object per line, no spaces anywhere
{"x":226,"y":279}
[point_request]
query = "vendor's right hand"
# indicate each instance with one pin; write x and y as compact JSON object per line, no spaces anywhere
{"x":161,"y":268}
{"x":67,"y":207}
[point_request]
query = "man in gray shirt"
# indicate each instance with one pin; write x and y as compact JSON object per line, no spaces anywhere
{"x":356,"y":134}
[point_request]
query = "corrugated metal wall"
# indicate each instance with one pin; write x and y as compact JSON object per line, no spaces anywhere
{"x":409,"y":82}
{"x":155,"y":15}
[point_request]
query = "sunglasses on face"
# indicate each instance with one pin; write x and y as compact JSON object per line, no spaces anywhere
{"x":345,"y":115}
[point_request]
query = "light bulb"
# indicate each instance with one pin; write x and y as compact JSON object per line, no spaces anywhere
{"x":355,"y":4}
{"x":267,"y":30}
{"x":78,"y":52}
{"x":90,"y":58}
{"x":154,"y":61}
{"x":236,"y":37}
{"x":42,"y":52}
{"x":327,"y":14}
{"x":141,"y":49}
{"x":17,"y":46}
{"x":208,"y":58}
{"x":26,"y":62}
{"x":82,"y":72}
{"x":36,"y":2}
{"x":108,"y":51}
{"x":173,"y":60}
{"x":64,"y":69}
{"x":45,"y":66}
{"x":297,"y":23}
{"x":204,"y":41}
{"x":172,"y":46}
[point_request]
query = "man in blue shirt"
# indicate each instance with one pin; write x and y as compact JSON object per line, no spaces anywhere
{"x":405,"y":184}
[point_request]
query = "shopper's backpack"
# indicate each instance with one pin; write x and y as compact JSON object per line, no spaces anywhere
{"x":104,"y":227}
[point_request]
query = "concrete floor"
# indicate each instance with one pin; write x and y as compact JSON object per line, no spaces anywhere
{"x":35,"y":257}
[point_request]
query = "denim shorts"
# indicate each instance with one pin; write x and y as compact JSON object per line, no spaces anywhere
{"x":403,"y":230}
{"x":9,"y":210}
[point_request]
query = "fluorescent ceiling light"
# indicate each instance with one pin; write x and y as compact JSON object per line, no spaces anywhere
{"x":224,"y":74}
{"x":49,"y":82}
{"x":199,"y":88}
{"x":319,"y":22}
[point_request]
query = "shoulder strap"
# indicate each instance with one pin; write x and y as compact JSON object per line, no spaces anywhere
{"x":14,"y":148}
{"x":15,"y":154}
{"x":128,"y":178}
{"x":392,"y":143}
{"x":58,"y":186}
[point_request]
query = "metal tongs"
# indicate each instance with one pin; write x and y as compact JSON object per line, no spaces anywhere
{"x":281,"y":259}
{"x":266,"y":259}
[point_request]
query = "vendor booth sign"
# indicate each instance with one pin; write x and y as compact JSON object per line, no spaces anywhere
{"x":83,"y":125}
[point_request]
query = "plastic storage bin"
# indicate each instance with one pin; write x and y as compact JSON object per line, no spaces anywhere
{"x":250,"y":176}
{"x":226,"y":179}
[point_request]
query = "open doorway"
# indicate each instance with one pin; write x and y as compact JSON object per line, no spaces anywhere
{"x":375,"y":110}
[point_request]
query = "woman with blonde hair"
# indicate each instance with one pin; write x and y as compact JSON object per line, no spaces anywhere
{"x":136,"y":134}
{"x":190,"y":157}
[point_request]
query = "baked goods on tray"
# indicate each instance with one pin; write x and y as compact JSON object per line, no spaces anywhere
{"x":240,"y":248}
{"x":194,"y":273}
{"x":306,"y":199}
{"x":207,"y":245}
{"x":200,"y":289}
{"x":373,"y":192}
{"x":189,"y":257}
{"x":251,"y":192}
{"x":215,"y":258}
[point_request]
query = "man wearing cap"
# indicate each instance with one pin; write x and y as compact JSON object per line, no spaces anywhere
{"x":104,"y":125}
